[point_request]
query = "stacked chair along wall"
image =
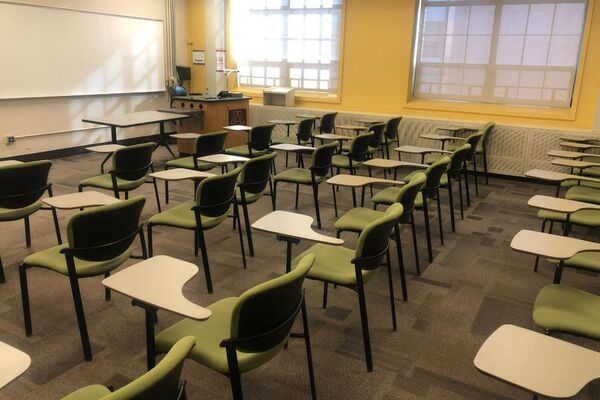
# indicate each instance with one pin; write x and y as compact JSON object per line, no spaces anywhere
{"x":259,"y":140}
{"x":430,"y":190}
{"x":99,"y":240}
{"x":214,"y":198}
{"x":391,"y":135}
{"x":130,"y":166}
{"x":21,"y":187}
{"x":254,"y":177}
{"x":357,"y":154}
{"x":204,"y":145}
{"x":303,"y":136}
{"x":161,"y":382}
{"x":328,"y":123}
{"x":357,"y":219}
{"x":456,"y":170}
{"x":349,"y":268}
{"x":245,"y":332}
{"x":482,"y":147}
{"x":313,"y":176}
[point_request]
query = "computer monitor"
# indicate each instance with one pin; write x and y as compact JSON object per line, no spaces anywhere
{"x":184,"y":73}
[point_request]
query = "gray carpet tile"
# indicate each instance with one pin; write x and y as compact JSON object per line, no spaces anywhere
{"x":475,"y":284}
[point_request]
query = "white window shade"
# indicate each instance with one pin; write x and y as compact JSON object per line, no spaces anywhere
{"x":287,"y":43}
{"x":499,"y":51}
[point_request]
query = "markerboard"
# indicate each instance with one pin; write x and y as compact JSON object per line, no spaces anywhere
{"x":49,"y":51}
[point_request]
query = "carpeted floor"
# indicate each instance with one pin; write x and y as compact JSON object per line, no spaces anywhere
{"x":475,"y":284}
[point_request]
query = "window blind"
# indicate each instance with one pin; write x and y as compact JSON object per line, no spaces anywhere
{"x":499,"y":51}
{"x":287,"y":43}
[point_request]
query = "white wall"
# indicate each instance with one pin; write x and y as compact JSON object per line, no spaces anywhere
{"x":63,"y":114}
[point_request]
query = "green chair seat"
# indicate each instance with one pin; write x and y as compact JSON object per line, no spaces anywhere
{"x":209,"y":334}
{"x":573,"y":183}
{"x":105,"y":182}
{"x":297,"y":175}
{"x":92,"y":392}
{"x":357,"y":219}
{"x":54,"y":260}
{"x":250,"y":197}
{"x":566,"y":309}
{"x":11,"y":214}
{"x":333,"y":264}
{"x":589,"y":260}
{"x":389,"y":194}
{"x":288,"y":140}
{"x":346,"y":147}
{"x":592,"y":171}
{"x":452,"y":145}
{"x":583,"y":193}
{"x":188,"y":163}
{"x":433,"y":157}
{"x":182,"y":216}
{"x":243,"y":151}
{"x":341,"y":161}
{"x":590,"y":218}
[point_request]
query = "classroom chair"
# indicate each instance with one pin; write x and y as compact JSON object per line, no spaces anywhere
{"x":245,"y":332}
{"x":130,"y":166}
{"x":357,"y":154}
{"x":482,"y":147}
{"x":214,"y":198}
{"x":391,"y":135}
{"x":303,"y":136}
{"x":353,"y":269}
{"x":376,"y":141}
{"x":21,"y":187}
{"x":455,"y":171}
{"x":204,"y":145}
{"x":161,"y":382}
{"x":328,"y":123}
{"x":313,"y":176}
{"x":259,"y":140}
{"x":99,"y":240}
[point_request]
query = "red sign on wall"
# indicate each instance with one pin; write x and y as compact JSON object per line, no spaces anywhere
{"x":237,"y":116}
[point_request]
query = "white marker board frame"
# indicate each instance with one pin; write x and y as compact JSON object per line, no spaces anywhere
{"x":57,"y":52}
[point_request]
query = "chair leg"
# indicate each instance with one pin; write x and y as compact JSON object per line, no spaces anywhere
{"x":85,"y":340}
{"x":202,"y":244}
{"x":248,"y":230}
{"x":195,"y":243}
{"x":235,"y":378}
{"x":400,"y":264}
{"x":475,"y":176}
{"x":106,"y":290}
{"x":451,"y":204}
{"x":27,"y":232}
{"x":272,"y":193}
{"x":236,"y":215}
{"x":415,"y":246}
{"x":156,"y":193}
{"x":427,"y":229}
{"x":334,"y":201}
{"x":311,"y":371}
{"x":391,"y":289}
{"x":460,"y":194}
{"x":2,"y":276}
{"x":325,"y":289}
{"x":315,"y":188}
{"x":537,"y":258}
{"x":150,"y":246}
{"x":467,"y":187}
{"x":297,"y":190}
{"x":439,"y":212}
{"x":485,"y":166}
{"x":56,"y":225}
{"x":25,"y":299}
{"x":364,"y":321}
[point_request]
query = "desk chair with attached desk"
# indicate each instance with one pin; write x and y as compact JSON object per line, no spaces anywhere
{"x":255,"y":175}
{"x":303,"y":135}
{"x":161,"y":382}
{"x":357,"y":219}
{"x":353,"y":269}
{"x":328,"y":123}
{"x":99,"y":241}
{"x":215,"y":196}
{"x":21,"y":187}
{"x":313,"y":176}
{"x":259,"y":140}
{"x":430,"y":190}
{"x":245,"y":332}
{"x":454,"y":173}
{"x":131,"y":164}
{"x":391,"y":136}
{"x":376,"y":140}
{"x":357,"y":154}
{"x":204,"y":145}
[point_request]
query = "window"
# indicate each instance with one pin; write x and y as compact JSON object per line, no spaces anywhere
{"x":499,"y":51}
{"x":291,"y":43}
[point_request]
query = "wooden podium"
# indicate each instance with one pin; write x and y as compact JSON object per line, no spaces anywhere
{"x":211,"y":115}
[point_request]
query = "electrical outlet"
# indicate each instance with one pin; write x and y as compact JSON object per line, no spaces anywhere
{"x":10,"y":139}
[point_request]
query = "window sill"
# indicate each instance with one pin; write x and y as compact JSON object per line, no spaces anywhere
{"x":563,"y":114}
{"x":301,"y":95}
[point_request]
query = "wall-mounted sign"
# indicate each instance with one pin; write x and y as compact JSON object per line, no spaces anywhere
{"x":220,"y":60}
{"x":198,"y":57}
{"x":237,"y":116}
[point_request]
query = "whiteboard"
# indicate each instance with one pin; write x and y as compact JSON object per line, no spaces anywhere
{"x":49,"y":51}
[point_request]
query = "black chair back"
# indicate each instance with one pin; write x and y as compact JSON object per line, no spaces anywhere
{"x":359,"y":147}
{"x":377,"y":130}
{"x":256,"y":173}
{"x":103,"y":233}
{"x":391,"y":130}
{"x":328,"y":123}
{"x":457,"y":160}
{"x":408,"y":194}
{"x":133,"y":162}
{"x":321,"y":159}
{"x":264,"y":315}
{"x":487,"y":131}
{"x":210,"y":143}
{"x":434,"y":174}
{"x":215,"y":194}
{"x":260,"y":137}
{"x":473,"y":140}
{"x":374,"y":240}
{"x":304,"y":133}
{"x":23,"y":184}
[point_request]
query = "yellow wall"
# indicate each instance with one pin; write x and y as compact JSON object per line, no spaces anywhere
{"x":196,"y":41}
{"x":376,"y":63}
